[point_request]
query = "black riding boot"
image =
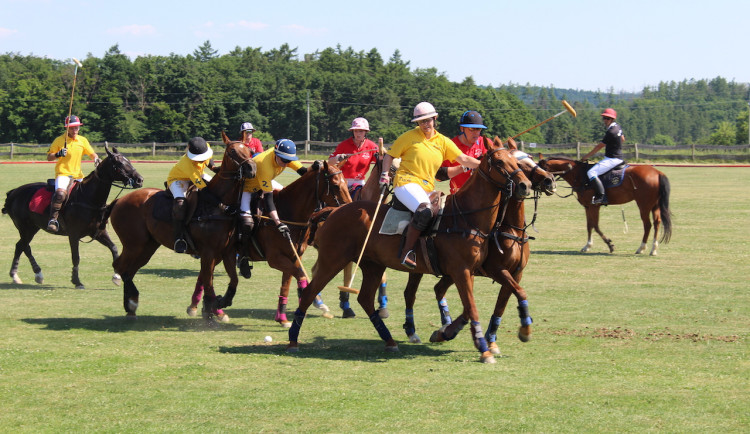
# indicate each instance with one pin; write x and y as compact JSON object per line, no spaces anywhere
{"x":54,"y":210}
{"x":600,"y":197}
{"x":245,"y":234}
{"x":178,"y":224}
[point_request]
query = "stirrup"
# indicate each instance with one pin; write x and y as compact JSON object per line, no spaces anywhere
{"x":180,"y":246}
{"x":246,"y":270}
{"x":53,"y":225}
{"x":599,"y":200}
{"x":410,"y":260}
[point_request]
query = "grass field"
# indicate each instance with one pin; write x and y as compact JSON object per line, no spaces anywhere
{"x":621,"y":343}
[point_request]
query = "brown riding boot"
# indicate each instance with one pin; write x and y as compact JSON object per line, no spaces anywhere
{"x":54,"y":210}
{"x":409,"y":260}
{"x":245,"y":234}
{"x":178,"y":224}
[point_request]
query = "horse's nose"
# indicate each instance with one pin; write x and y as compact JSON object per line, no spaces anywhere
{"x":523,"y":189}
{"x":550,"y":186}
{"x":138,"y":182}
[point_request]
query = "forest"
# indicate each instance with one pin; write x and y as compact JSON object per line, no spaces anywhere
{"x":171,"y":98}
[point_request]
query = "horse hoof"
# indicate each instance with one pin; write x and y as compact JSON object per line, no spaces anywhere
{"x":116,"y":279}
{"x":392,"y":348}
{"x":39,"y":278}
{"x":437,"y":336}
{"x":131,"y":316}
{"x":292,"y":348}
{"x":383,"y":313}
{"x":524,"y":335}
{"x":414,"y":339}
{"x":487,"y":357}
{"x":17,"y":280}
{"x":327,"y":314}
{"x":494,"y":349}
{"x":80,"y":287}
{"x":192,"y":310}
{"x":222,"y":317}
{"x":286,"y":324}
{"x":348,"y":313}
{"x":653,"y":253}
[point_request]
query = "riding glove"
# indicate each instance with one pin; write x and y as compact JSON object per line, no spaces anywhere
{"x":61,"y":153}
{"x":284,"y":229}
{"x":385,"y":179}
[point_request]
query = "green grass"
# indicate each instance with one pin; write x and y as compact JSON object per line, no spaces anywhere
{"x":621,"y":343}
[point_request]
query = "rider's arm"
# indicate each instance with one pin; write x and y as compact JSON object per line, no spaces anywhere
{"x":593,"y":152}
{"x":271,"y":207}
{"x":467,"y":161}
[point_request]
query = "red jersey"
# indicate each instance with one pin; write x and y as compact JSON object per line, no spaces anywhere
{"x":356,"y":166}
{"x":476,"y":150}
{"x":255,"y":146}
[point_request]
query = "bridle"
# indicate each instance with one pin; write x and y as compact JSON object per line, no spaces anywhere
{"x":238,"y":160}
{"x":331,"y":190}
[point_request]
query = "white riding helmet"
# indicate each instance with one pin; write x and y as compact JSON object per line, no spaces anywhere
{"x":424,"y":110}
{"x":360,"y":124}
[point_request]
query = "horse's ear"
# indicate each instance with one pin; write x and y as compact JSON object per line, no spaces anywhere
{"x":498,"y":143}
{"x":315,"y":165}
{"x":106,"y":148}
{"x":225,"y":138}
{"x":512,"y":144}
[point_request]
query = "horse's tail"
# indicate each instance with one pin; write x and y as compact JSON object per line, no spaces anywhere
{"x":666,"y":214}
{"x":316,"y":221}
{"x":105,"y":214}
{"x":7,"y":204}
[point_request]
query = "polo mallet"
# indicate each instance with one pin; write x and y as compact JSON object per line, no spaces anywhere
{"x":348,"y":287}
{"x":72,"y":92}
{"x":294,"y":249}
{"x":568,"y":109}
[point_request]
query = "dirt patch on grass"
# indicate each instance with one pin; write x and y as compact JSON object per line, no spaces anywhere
{"x":623,"y":333}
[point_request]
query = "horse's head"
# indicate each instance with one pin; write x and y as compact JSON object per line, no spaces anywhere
{"x":331,"y":188}
{"x":564,"y":168}
{"x":541,"y":180}
{"x":119,"y":169}
{"x":238,"y":158}
{"x":501,"y":168}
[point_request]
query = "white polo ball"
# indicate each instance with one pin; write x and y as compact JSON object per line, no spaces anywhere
{"x":268,"y":339}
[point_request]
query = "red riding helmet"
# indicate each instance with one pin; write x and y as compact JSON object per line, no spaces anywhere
{"x":609,"y":113}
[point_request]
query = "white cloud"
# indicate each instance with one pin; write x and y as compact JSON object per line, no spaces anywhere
{"x":4,"y":33}
{"x":302,"y":30}
{"x":133,"y":30}
{"x":249,"y":25}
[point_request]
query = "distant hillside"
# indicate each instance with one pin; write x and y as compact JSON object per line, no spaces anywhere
{"x":528,"y":94}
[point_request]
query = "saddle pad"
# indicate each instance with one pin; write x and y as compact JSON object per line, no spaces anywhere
{"x":395,"y":222}
{"x":162,"y":210}
{"x":614,"y":178}
{"x":40,"y":201}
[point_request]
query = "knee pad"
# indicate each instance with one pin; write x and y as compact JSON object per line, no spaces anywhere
{"x":60,"y":196}
{"x":422,"y":217}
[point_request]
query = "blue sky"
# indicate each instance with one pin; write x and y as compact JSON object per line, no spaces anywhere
{"x":583,"y":45}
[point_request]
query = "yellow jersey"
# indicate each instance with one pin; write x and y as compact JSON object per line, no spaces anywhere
{"x":421,"y":157}
{"x":70,"y":164}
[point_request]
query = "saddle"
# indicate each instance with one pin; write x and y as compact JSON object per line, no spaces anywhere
{"x":162,"y":210}
{"x":397,"y":220}
{"x":613,"y":177}
{"x":41,"y":200}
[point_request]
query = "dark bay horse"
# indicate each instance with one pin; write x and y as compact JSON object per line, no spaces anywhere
{"x":322,"y":185}
{"x":82,"y":215}
{"x":645,"y":184}
{"x":212,"y":231}
{"x":507,"y":256}
{"x":460,"y":243}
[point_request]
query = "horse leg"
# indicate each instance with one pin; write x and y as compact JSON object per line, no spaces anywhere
{"x":372,"y":274}
{"x":348,"y":312}
{"x":38,"y":276}
{"x":21,"y":247}
{"x":210,"y":303}
{"x":129,"y":296}
{"x":383,"y":298}
{"x":465,"y":286}
{"x":410,"y":296}
{"x":192,"y":309}
{"x":280,"y":317}
{"x":318,"y":302}
{"x":127,"y":264}
{"x":656,"y":212}
{"x":230,"y":264}
{"x":592,"y":221}
{"x":441,"y":288}
{"x":104,"y":239}
{"x":76,"y":261}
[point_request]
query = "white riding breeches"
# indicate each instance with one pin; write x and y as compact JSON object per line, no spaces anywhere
{"x":603,"y":167}
{"x":411,"y":195}
{"x":179,"y":187}
{"x":63,"y":181}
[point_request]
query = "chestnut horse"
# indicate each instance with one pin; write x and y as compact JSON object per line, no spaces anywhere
{"x":459,"y":243}
{"x":507,"y":256}
{"x":210,"y":228}
{"x":322,"y":185}
{"x":82,"y":215}
{"x":645,"y":184}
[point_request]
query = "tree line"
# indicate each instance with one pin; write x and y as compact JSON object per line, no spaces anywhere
{"x":172,"y":98}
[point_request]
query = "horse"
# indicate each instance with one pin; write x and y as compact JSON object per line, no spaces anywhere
{"x":459,"y":243}
{"x":506,"y":259}
{"x":210,"y":229}
{"x":645,"y":184}
{"x":81,"y":216}
{"x":322,"y":185}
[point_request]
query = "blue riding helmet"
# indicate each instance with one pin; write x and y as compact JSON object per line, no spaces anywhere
{"x":286,"y":150}
{"x":471,"y":119}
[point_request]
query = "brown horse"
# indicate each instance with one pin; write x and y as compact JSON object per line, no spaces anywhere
{"x":322,"y":185}
{"x":81,"y":216}
{"x":212,"y":231}
{"x":459,"y":243}
{"x":507,"y":256}
{"x":645,"y":184}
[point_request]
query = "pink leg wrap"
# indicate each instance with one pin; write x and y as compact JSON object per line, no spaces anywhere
{"x":281,"y":310}
{"x":302,"y":283}
{"x":197,"y":293}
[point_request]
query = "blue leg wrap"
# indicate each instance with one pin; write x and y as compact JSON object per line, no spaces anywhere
{"x":409,"y":326}
{"x":318,"y":301}
{"x":380,"y":327}
{"x":479,"y":340}
{"x":344,"y":305}
{"x":523,"y":313}
{"x":299,"y":316}
{"x":343,"y":296}
{"x":452,"y":330}
{"x":445,"y":315}
{"x":491,"y":334}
